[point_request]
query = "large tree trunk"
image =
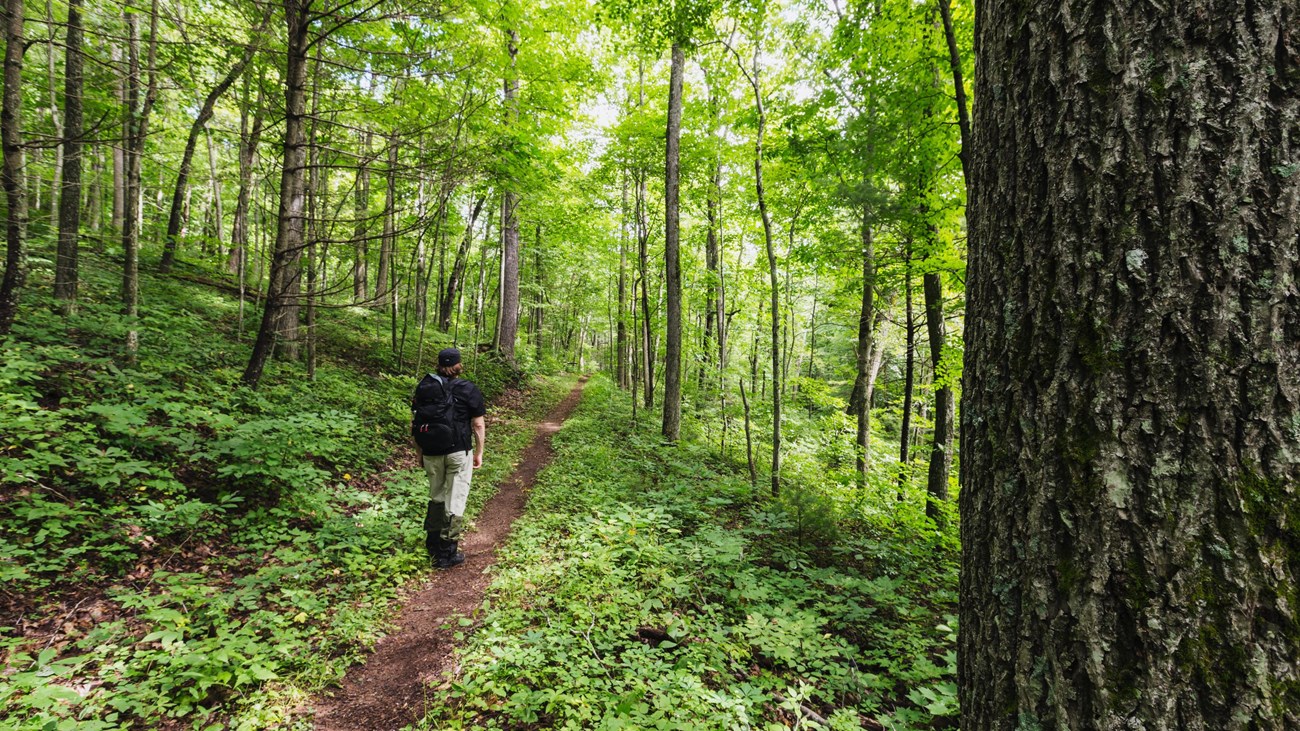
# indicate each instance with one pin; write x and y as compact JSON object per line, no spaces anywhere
{"x":191,"y":142}
{"x":672,"y":423}
{"x":508,"y":309}
{"x":1131,"y":458}
{"x":12,"y":175}
{"x":289,"y":237}
{"x":65,"y":271}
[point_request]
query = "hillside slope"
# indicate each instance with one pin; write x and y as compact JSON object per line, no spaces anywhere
{"x":179,"y":550}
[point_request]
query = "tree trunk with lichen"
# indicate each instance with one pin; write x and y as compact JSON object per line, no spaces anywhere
{"x":1131,"y":423}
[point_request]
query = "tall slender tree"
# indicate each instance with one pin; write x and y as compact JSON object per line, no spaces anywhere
{"x":290,"y":228}
{"x":174,"y":215}
{"x":139,"y":105}
{"x":672,"y":422}
{"x":361,"y":224}
{"x":250,"y":136}
{"x":508,"y":310}
{"x":65,"y":270}
{"x":12,"y":175}
{"x":456,"y":281}
{"x":753,"y":76}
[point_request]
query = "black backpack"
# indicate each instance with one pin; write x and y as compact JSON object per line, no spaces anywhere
{"x":433,"y":416}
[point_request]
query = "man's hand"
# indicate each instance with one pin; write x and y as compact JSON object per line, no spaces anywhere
{"x":478,"y":460}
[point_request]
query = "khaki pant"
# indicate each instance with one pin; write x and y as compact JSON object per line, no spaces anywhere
{"x":449,"y":477}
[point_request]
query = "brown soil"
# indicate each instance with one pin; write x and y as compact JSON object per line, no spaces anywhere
{"x":388,"y":691}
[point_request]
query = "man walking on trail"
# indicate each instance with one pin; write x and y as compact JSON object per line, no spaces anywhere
{"x":447,"y":424}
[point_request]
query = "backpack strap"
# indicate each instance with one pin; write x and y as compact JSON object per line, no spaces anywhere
{"x":447,"y":391}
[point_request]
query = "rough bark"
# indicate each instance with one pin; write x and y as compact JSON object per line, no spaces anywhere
{"x":174,"y":216}
{"x":11,"y":175}
{"x":672,"y":422}
{"x":65,"y":271}
{"x":289,"y":236}
{"x":1131,"y":429}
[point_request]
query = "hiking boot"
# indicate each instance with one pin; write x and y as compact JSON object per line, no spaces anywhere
{"x":449,"y":556}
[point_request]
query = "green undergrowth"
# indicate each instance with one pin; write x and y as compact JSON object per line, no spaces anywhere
{"x":180,"y":549}
{"x":649,"y":586}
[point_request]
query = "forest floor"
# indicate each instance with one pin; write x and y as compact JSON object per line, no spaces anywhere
{"x":388,"y":690}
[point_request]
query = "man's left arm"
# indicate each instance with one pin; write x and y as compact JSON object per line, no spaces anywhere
{"x":480,"y":432}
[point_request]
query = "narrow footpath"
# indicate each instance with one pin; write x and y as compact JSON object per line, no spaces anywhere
{"x":388,"y":691}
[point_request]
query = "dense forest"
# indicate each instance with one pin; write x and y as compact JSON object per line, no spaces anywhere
{"x":944,"y":362}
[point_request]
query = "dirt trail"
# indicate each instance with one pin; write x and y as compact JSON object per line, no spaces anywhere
{"x":388,"y":691}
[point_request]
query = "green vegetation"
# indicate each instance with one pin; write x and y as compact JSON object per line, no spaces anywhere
{"x":189,"y":548}
{"x":240,"y":231}
{"x":650,"y":586}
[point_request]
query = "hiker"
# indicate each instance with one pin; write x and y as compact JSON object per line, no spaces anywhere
{"x":445,"y":410}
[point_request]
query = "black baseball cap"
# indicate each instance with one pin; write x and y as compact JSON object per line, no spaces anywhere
{"x":448,"y":357}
